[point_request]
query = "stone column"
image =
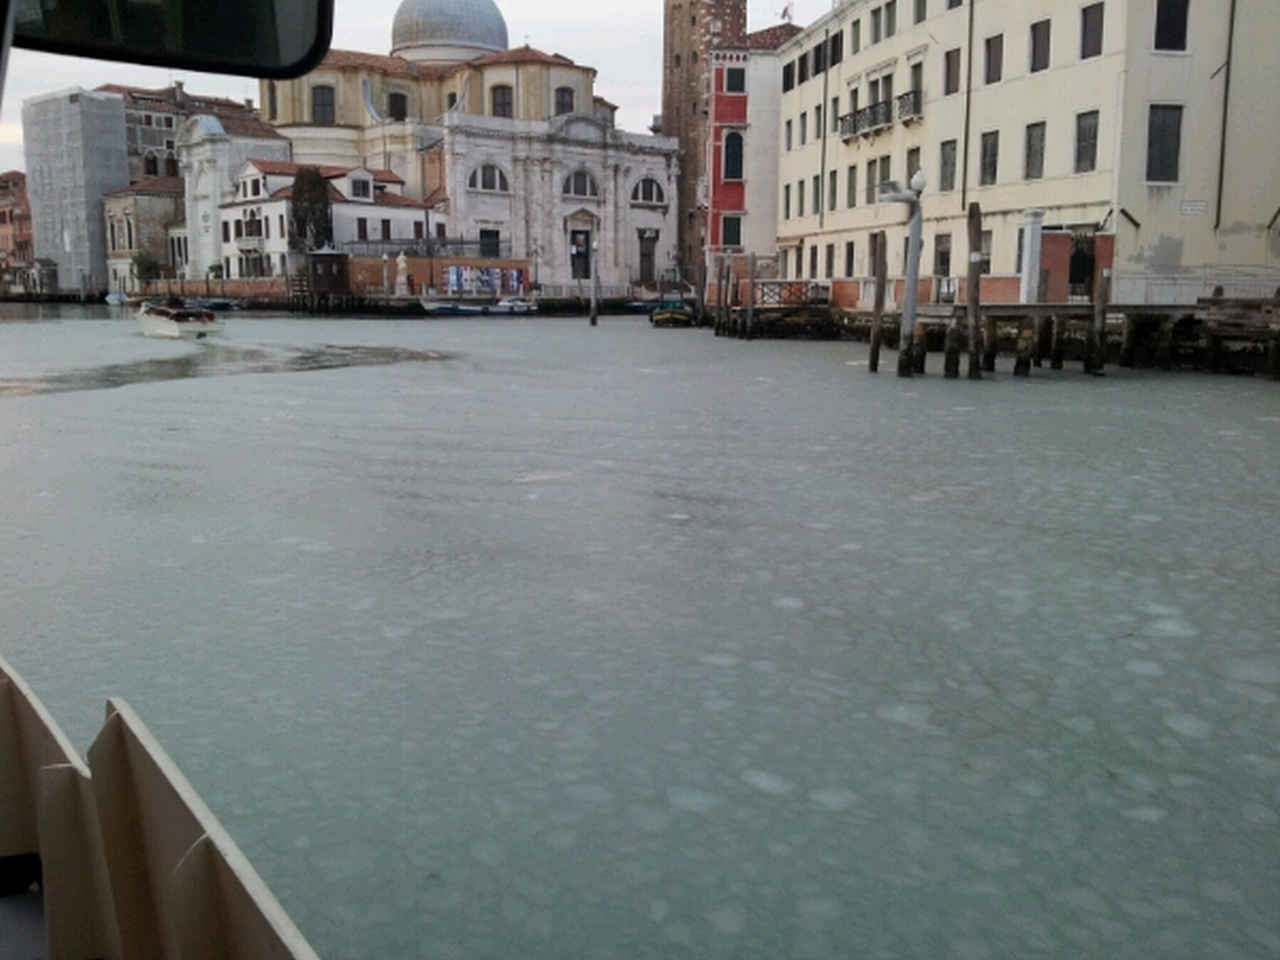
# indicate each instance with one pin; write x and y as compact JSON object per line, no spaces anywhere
{"x":1032,"y":231}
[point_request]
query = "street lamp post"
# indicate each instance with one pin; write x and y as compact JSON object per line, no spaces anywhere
{"x":595,"y":282}
{"x":910,"y":197}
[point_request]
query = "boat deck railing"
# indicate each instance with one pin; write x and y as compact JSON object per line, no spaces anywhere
{"x":128,"y":859}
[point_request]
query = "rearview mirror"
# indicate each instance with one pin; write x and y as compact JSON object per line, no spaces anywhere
{"x":255,"y":38}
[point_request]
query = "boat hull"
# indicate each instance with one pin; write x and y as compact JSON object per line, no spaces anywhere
{"x":178,"y":324}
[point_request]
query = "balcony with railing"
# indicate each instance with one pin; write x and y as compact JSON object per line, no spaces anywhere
{"x":849,"y":126}
{"x":873,"y":118}
{"x":911,"y":106}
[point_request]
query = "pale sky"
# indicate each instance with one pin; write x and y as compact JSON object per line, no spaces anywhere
{"x":622,"y":41}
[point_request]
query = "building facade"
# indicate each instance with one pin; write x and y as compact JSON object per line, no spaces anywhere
{"x":512,"y":150}
{"x":1108,"y":125}
{"x":139,"y":219}
{"x":212,"y":152}
{"x":16,"y":251}
{"x":741,"y":158}
{"x":368,"y":208}
{"x":691,"y":30}
{"x":74,"y":146}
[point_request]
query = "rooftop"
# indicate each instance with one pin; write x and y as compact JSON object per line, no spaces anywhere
{"x":154,"y":186}
{"x":770,"y":38}
{"x":279,"y":168}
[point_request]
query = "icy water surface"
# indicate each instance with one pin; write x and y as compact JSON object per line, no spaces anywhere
{"x":516,"y":639}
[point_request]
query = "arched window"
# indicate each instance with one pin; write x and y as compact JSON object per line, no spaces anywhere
{"x":580,"y":184}
{"x":150,"y":165}
{"x":397,"y":106}
{"x":564,"y":100}
{"x":489,"y":177}
{"x":733,"y":156}
{"x":648,"y":190}
{"x":322,"y":106}
{"x":501,"y":101}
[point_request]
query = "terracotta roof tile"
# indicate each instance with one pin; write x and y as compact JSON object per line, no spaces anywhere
{"x":525,"y":54}
{"x":385,"y":199}
{"x":279,"y":168}
{"x":770,"y":38}
{"x":390,"y":66}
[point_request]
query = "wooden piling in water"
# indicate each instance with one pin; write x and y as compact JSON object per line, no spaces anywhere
{"x":1095,"y":354}
{"x":973,"y":283}
{"x":1057,"y":347}
{"x":1273,"y":356}
{"x":1164,"y":347}
{"x":881,"y":270}
{"x":751,"y":298}
{"x":1037,"y":345}
{"x":1026,"y":334}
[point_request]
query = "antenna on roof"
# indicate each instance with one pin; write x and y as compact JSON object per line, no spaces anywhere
{"x":787,"y":12}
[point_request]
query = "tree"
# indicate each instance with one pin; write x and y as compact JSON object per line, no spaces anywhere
{"x":147,"y":268}
{"x":311,"y":220}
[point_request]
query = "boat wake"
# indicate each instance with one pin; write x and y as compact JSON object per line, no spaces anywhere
{"x":215,"y":360}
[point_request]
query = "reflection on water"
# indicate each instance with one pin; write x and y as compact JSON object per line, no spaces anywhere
{"x":215,"y":360}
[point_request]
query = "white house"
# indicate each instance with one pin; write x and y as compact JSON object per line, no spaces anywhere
{"x":368,"y":208}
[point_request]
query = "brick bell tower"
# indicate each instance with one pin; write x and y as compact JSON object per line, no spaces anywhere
{"x":691,"y":29}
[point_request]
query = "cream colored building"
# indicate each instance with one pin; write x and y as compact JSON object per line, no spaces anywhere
{"x":512,"y":150}
{"x":1114,"y":118}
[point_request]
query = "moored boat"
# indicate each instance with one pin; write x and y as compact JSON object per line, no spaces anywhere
{"x":173,"y":321}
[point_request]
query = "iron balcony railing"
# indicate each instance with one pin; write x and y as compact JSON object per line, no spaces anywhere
{"x":431,"y":247}
{"x":849,"y":126}
{"x":875,"y":117}
{"x":910,"y":106}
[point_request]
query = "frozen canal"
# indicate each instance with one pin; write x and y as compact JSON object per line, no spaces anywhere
{"x":641,"y":644}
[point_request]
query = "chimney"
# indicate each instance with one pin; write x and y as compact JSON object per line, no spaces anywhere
{"x":248,"y":104}
{"x":178,"y":93}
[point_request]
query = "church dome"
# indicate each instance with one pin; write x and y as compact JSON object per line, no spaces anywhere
{"x":447,"y":30}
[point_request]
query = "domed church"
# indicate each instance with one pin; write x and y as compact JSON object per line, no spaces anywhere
{"x":512,"y":152}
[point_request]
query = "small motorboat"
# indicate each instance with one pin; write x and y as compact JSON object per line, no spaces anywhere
{"x":450,"y":308}
{"x":117,"y":299}
{"x":175,"y":321}
{"x":671,"y":311}
{"x":519,"y":306}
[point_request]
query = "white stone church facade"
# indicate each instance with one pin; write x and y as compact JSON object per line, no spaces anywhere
{"x":510,"y":149}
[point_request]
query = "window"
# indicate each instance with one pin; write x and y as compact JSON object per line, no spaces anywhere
{"x":819,"y":58}
{"x":1171,"y":24}
{"x":500,"y":101}
{"x":731,"y":231}
{"x":871,"y":182}
{"x":239,"y":229}
{"x":786,"y":201}
{"x":386,"y":229}
{"x":942,"y":255}
{"x":788,"y":77}
{"x":990,"y":157}
{"x":170,"y":166}
{"x":817,"y":122}
{"x":855,"y":36}
{"x":272,"y":104}
{"x":151,"y":165}
{"x":735,"y":80}
{"x":360,"y":188}
{"x":813,"y":263}
{"x":831,"y":260}
{"x":835,"y":53}
{"x":848,"y":258}
{"x":951,"y":72}
{"x":799,"y":198}
{"x":786,"y":135}
{"x":985,"y":265}
{"x":1091,"y":31}
{"x":1033,"y":165}
{"x":913,"y":162}
{"x":853,"y":100}
{"x":995,"y":58}
{"x":146,"y":120}
{"x":397,"y":106}
{"x":280,"y":224}
{"x":1017,"y":260}
{"x":111,"y":230}
{"x":648,"y":190}
{"x":1164,"y":143}
{"x":1086,"y":141}
{"x":733,"y":156}
{"x":817,"y":193}
{"x":564,"y":101}
{"x":489,"y":177}
{"x":890,"y":18}
{"x":802,"y":67}
{"x":226,"y":232}
{"x":851,"y":186}
{"x":835,"y":114}
{"x":833,"y":187}
{"x":580,"y":184}
{"x":451,"y":101}
{"x":490,"y":243}
{"x":322,"y":106}
{"x":876,"y":28}
{"x":362,"y":228}
{"x":804,"y":128}
{"x":922,"y":10}
{"x":1040,"y":36}
{"x":884,"y":173}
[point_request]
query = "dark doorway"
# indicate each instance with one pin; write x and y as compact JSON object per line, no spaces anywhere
{"x":648,"y":247}
{"x":1080,"y":278}
{"x":580,"y":253}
